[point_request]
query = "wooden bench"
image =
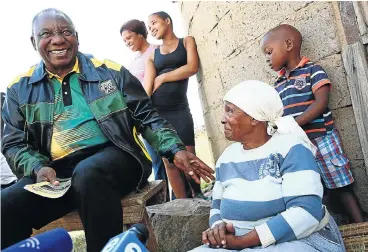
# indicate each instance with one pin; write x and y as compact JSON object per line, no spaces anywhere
{"x":134,"y":211}
{"x":355,"y":237}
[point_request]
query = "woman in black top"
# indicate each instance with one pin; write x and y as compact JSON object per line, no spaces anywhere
{"x":166,"y":81}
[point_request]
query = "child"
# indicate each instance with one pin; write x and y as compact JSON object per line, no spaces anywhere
{"x":304,"y":89}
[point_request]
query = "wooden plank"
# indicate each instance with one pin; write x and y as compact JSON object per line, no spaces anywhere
{"x":133,"y":214}
{"x":356,"y":66}
{"x":361,"y":12}
{"x":71,"y":222}
{"x":133,"y":209}
{"x":147,"y":192}
{"x":349,"y":22}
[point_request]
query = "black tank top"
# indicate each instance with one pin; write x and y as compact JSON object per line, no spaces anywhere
{"x":173,"y":95}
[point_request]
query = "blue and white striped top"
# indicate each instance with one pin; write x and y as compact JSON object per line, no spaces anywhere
{"x":275,"y":188}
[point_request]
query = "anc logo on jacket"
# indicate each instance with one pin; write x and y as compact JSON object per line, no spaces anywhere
{"x":107,"y":87}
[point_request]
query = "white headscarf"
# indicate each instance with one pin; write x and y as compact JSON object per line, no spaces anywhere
{"x":262,"y":102}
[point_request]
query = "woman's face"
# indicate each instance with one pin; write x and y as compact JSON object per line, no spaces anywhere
{"x":132,"y":40}
{"x":158,"y":26}
{"x":237,"y":124}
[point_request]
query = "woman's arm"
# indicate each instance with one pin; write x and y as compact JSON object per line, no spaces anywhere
{"x":185,"y":71}
{"x":190,"y":68}
{"x":302,"y":194}
{"x":149,"y":74}
{"x":217,"y":192}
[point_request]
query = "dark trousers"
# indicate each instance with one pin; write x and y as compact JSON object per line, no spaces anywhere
{"x":8,"y":185}
{"x":100,"y":177}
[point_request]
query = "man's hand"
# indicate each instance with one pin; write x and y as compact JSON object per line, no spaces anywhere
{"x":192,"y":165}
{"x":159,"y":80}
{"x":47,"y":174}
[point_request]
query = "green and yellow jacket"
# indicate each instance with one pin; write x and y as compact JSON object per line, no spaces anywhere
{"x":117,"y":101}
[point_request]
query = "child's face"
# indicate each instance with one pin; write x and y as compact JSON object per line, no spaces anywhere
{"x":275,"y":51}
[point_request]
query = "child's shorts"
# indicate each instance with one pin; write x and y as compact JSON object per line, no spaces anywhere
{"x":334,"y":166}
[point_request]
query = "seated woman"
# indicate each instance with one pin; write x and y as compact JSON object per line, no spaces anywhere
{"x":268,"y":192}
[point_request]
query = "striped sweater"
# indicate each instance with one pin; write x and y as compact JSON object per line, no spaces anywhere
{"x":275,"y":188}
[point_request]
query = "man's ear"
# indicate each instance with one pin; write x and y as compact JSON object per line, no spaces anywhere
{"x":76,"y":35}
{"x":33,"y":42}
{"x":289,"y":44}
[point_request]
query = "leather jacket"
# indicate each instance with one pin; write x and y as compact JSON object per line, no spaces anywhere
{"x":117,"y":101}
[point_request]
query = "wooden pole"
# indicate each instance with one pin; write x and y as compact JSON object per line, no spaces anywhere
{"x":356,"y":66}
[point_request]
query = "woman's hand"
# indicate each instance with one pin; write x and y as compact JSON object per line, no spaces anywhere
{"x":215,"y":237}
{"x":221,"y":236}
{"x":232,"y":241}
{"x":159,"y":80}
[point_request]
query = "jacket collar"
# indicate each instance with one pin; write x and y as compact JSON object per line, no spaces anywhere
{"x":39,"y":73}
{"x":74,"y":70}
{"x":87,"y":70}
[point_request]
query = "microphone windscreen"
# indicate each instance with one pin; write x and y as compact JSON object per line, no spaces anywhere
{"x":56,"y":240}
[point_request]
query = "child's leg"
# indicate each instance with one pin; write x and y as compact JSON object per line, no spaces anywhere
{"x":335,"y":172}
{"x":350,"y":202}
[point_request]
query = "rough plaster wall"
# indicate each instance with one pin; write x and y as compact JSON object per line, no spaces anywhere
{"x":228,"y":36}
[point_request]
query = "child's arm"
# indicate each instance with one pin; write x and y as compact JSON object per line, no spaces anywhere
{"x":320,"y":86}
{"x":317,"y":107}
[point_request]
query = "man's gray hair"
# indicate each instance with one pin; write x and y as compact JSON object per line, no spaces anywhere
{"x":51,"y":11}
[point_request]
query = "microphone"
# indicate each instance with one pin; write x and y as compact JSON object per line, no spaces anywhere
{"x":132,"y":240}
{"x":56,"y":240}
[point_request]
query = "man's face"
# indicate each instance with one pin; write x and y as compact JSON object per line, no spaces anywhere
{"x":275,"y":51}
{"x":56,"y":41}
{"x":237,"y":124}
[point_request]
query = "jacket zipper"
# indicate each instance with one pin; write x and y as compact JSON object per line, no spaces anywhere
{"x":52,"y":118}
{"x":112,"y":139}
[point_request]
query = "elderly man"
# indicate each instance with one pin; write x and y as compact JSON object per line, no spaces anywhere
{"x":74,"y":116}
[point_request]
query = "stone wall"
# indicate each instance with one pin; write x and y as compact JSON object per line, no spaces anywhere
{"x":228,"y":36}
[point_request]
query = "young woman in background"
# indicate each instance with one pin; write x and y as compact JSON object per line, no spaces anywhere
{"x":166,"y":81}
